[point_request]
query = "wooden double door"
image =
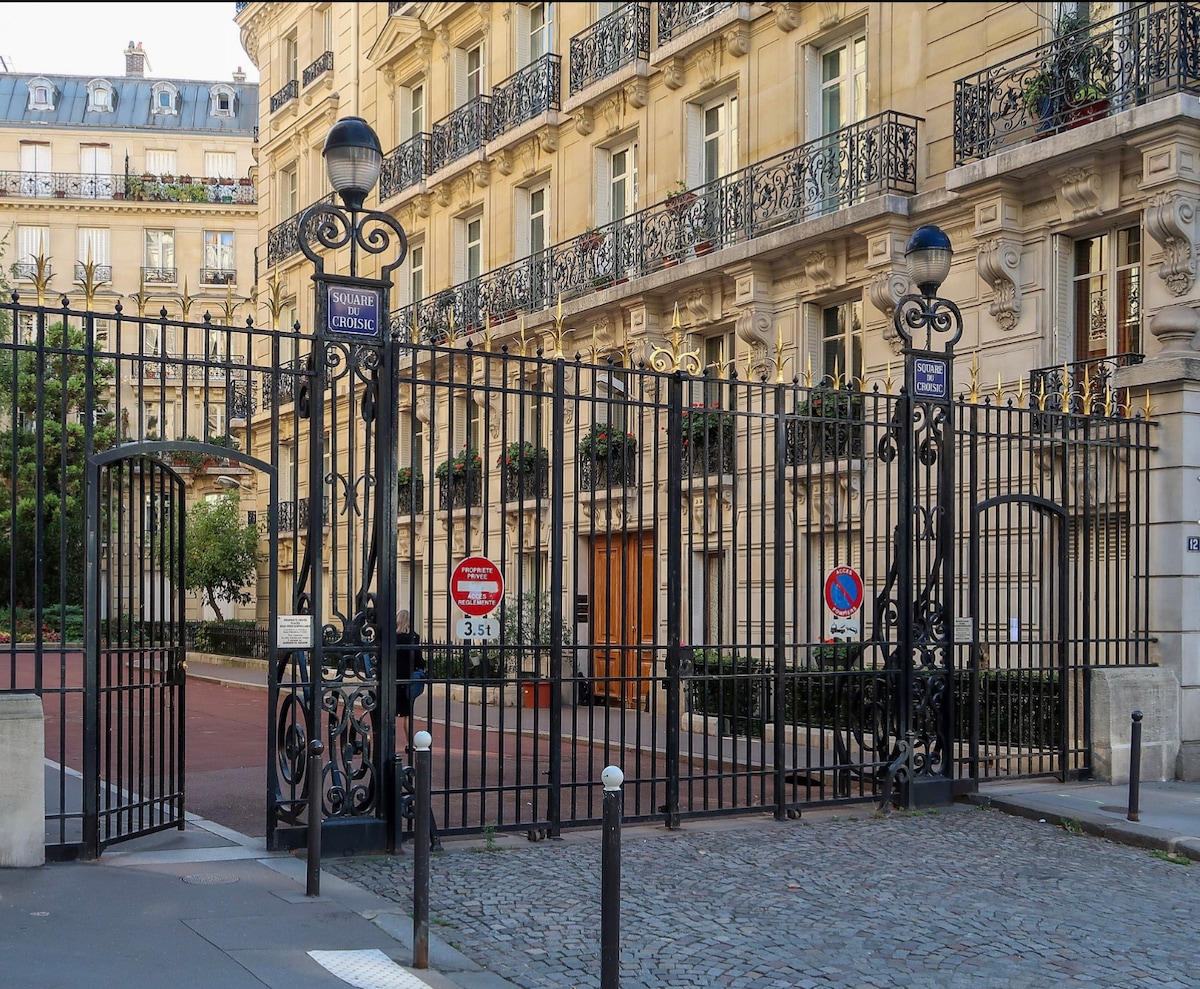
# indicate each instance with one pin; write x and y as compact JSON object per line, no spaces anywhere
{"x":623,"y":586}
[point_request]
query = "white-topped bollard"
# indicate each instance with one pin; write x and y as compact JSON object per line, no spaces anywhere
{"x":422,"y":763}
{"x":610,"y":880}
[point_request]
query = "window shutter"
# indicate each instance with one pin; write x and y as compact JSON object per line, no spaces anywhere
{"x":460,"y":77}
{"x":811,"y":350}
{"x":95,"y":240}
{"x":405,"y":103}
{"x":811,"y":127}
{"x":35,"y":157}
{"x":522,"y":35}
{"x":603,"y":191}
{"x":32,"y":241}
{"x":694,"y":163}
{"x":1062,"y":334}
{"x":522,"y":208}
{"x":460,"y":251}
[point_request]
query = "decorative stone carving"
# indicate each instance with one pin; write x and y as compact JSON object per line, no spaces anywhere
{"x":708,"y":64}
{"x":699,"y":304}
{"x":1081,"y":188}
{"x":637,"y":94}
{"x":481,"y":174}
{"x":885,"y":289}
{"x":465,"y":520}
{"x":712,"y":508}
{"x":585,"y":122}
{"x":818,"y":266}
{"x":737,"y":40}
{"x":1171,"y":221}
{"x":832,"y":496}
{"x":753,"y":325}
{"x":1177,"y":329}
{"x":548,"y":139}
{"x":420,"y":205}
{"x":831,"y":15}
{"x":528,"y":528}
{"x":674,"y":72}
{"x":998,"y":262}
{"x":503,"y":162}
{"x":787,"y":16}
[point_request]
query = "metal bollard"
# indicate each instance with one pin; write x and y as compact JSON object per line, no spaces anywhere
{"x":610,"y":881}
{"x":422,"y":814}
{"x":313,"y":887}
{"x":1135,"y":765}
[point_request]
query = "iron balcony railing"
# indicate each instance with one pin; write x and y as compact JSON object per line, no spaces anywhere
{"x":1138,"y":56}
{"x":280,"y":388}
{"x":283,"y":238}
{"x":101,"y":273}
{"x":1079,"y":387}
{"x":872,"y":158}
{"x":69,"y":185}
{"x":285,"y":517}
{"x":612,"y":42}
{"x":289,"y":92}
{"x":27,"y":270}
{"x":405,"y":166}
{"x":243,"y":402}
{"x":160,"y":276}
{"x":319,"y":67}
{"x":459,"y":133}
{"x":675,"y":18}
{"x":527,"y":93}
{"x":217,"y":276}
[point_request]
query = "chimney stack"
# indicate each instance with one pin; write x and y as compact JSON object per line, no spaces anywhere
{"x":239,"y":76}
{"x":135,"y":61}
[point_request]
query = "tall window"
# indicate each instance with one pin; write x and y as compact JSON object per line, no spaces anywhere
{"x":720,"y":139}
{"x":289,"y":187}
{"x":468,"y":255}
{"x":842,"y":339}
{"x":219,"y":264}
{"x":843,"y":84}
{"x":468,"y":74}
{"x":35,"y":168}
{"x":32,"y":242}
{"x":95,"y":161}
{"x":541,"y":25}
{"x":533,"y":224}
{"x":291,"y":59}
{"x":160,"y":256}
{"x":619,"y":191}
{"x":160,"y":162}
{"x":712,"y":577}
{"x":93,"y":245}
{"x":327,"y":29}
{"x":412,"y":110}
{"x":220,"y":164}
{"x":1107,"y":294}
{"x":416,"y":272}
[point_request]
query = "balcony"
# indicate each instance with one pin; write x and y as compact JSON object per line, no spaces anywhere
{"x":101,"y":273}
{"x":873,"y":158}
{"x":141,"y":188}
{"x":676,"y":18}
{"x":459,"y":133}
{"x":283,"y":239}
{"x":526,"y":94}
{"x":279,"y":388}
{"x":289,"y":92}
{"x":159,"y":276}
{"x":217,"y":276}
{"x":243,"y":403}
{"x":1079,"y":388}
{"x":405,"y":166}
{"x":612,"y":42}
{"x":27,"y":271}
{"x":318,"y":68}
{"x":1134,"y":58}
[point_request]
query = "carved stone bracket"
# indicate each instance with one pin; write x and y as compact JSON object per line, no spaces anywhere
{"x":998,"y":262}
{"x":465,"y":520}
{"x":411,"y":538}
{"x":753,"y":325}
{"x":884,"y":290}
{"x":712,"y":506}
{"x":637,"y":94}
{"x":737,"y":40}
{"x":1171,"y":221}
{"x":832,"y":497}
{"x":674,"y":72}
{"x":787,"y":16}
{"x":528,"y":527}
{"x":1082,"y":190}
{"x":503,"y":162}
{"x":819,"y":266}
{"x":585,"y":120}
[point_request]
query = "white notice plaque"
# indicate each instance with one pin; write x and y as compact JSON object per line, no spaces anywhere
{"x":294,"y":631}
{"x":964,"y":630}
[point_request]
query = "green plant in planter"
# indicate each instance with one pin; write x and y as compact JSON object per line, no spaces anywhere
{"x":836,"y":654}
{"x":523,"y":457}
{"x":606,"y":441}
{"x":457,"y":467}
{"x":410,"y":489}
{"x":406,"y":477}
{"x":826,"y":402}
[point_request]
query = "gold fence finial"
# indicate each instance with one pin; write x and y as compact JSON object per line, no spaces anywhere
{"x":89,"y":279}
{"x":1149,"y":409}
{"x":521,"y":337}
{"x":1065,"y":390}
{"x":973,"y":390}
{"x":999,"y":390}
{"x":889,"y":383}
{"x":1041,"y":395}
{"x":559,"y":332}
{"x":41,"y":275}
{"x":185,"y":301}
{"x":837,"y":375}
{"x":678,"y":357}
{"x":780,"y":360}
{"x":1021,"y":392}
{"x":1108,"y":399}
{"x":808,"y":373}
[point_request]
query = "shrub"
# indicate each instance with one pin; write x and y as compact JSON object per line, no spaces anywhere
{"x":463,"y":462}
{"x":605,"y":441}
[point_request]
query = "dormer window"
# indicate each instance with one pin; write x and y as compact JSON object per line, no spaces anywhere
{"x":100,"y":96}
{"x":221,"y":101}
{"x":164,"y":98}
{"x":41,"y":94}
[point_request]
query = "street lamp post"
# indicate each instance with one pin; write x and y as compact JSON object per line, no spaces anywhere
{"x":921,"y":584}
{"x":350,"y":392}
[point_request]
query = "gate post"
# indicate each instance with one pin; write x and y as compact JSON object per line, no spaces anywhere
{"x":352,"y":342}
{"x":674,"y":540}
{"x":924,"y":568}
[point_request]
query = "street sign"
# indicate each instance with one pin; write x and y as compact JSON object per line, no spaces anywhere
{"x":843,"y":591}
{"x":477,"y":586}
{"x":844,"y":628}
{"x":931,"y":378}
{"x":477,"y":628}
{"x":353,"y":310}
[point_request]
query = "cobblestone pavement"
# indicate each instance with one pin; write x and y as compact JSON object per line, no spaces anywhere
{"x":957,"y":897}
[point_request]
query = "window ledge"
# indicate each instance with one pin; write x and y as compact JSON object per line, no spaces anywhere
{"x":639,"y":68}
{"x":694,"y":37}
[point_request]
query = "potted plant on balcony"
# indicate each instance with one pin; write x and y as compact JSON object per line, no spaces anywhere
{"x":827,"y":424}
{"x":524,"y":467}
{"x":410,"y":490}
{"x":707,"y":440}
{"x":1070,"y":86}
{"x":460,"y":479}
{"x":607,"y":457}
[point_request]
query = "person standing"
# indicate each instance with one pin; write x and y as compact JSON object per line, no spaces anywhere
{"x":410,"y":665}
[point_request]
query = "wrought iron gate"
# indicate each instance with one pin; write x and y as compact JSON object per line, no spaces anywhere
{"x":133,"y":741}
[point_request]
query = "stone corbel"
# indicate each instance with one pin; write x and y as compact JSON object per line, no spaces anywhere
{"x":585,"y":120}
{"x":481,"y":174}
{"x":496,"y":415}
{"x":708,"y":64}
{"x":787,"y":16}
{"x":712,"y":508}
{"x":503,"y":162}
{"x":1171,"y":221}
{"x":442,"y":195}
{"x":737,"y":40}
{"x":1082,"y":190}
{"x":819,"y":266}
{"x":831,"y":15}
{"x":674,"y":72}
{"x":884,"y":290}
{"x":637,"y":94}
{"x":753,"y":325}
{"x":831,"y":497}
{"x":998,"y":262}
{"x":548,"y":138}
{"x":420,"y":205}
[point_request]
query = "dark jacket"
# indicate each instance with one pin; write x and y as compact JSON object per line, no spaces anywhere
{"x":410,"y":663}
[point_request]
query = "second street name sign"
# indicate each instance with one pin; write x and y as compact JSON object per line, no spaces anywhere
{"x":353,"y":310}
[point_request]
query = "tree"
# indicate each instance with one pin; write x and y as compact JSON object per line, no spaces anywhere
{"x":221,"y":552}
{"x":43,"y":402}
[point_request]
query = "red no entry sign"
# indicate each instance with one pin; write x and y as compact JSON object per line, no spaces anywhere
{"x":843,"y":591}
{"x":477,"y":586}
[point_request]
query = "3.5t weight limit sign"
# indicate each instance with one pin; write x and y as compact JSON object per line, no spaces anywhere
{"x":843,"y":591}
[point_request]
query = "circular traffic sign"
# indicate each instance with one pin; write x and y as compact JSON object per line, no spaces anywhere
{"x":843,"y":591}
{"x":477,"y":586}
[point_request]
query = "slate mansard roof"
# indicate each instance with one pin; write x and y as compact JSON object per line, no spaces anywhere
{"x":132,"y":105}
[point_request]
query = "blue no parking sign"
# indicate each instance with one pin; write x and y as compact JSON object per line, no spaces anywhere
{"x":843,"y":591}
